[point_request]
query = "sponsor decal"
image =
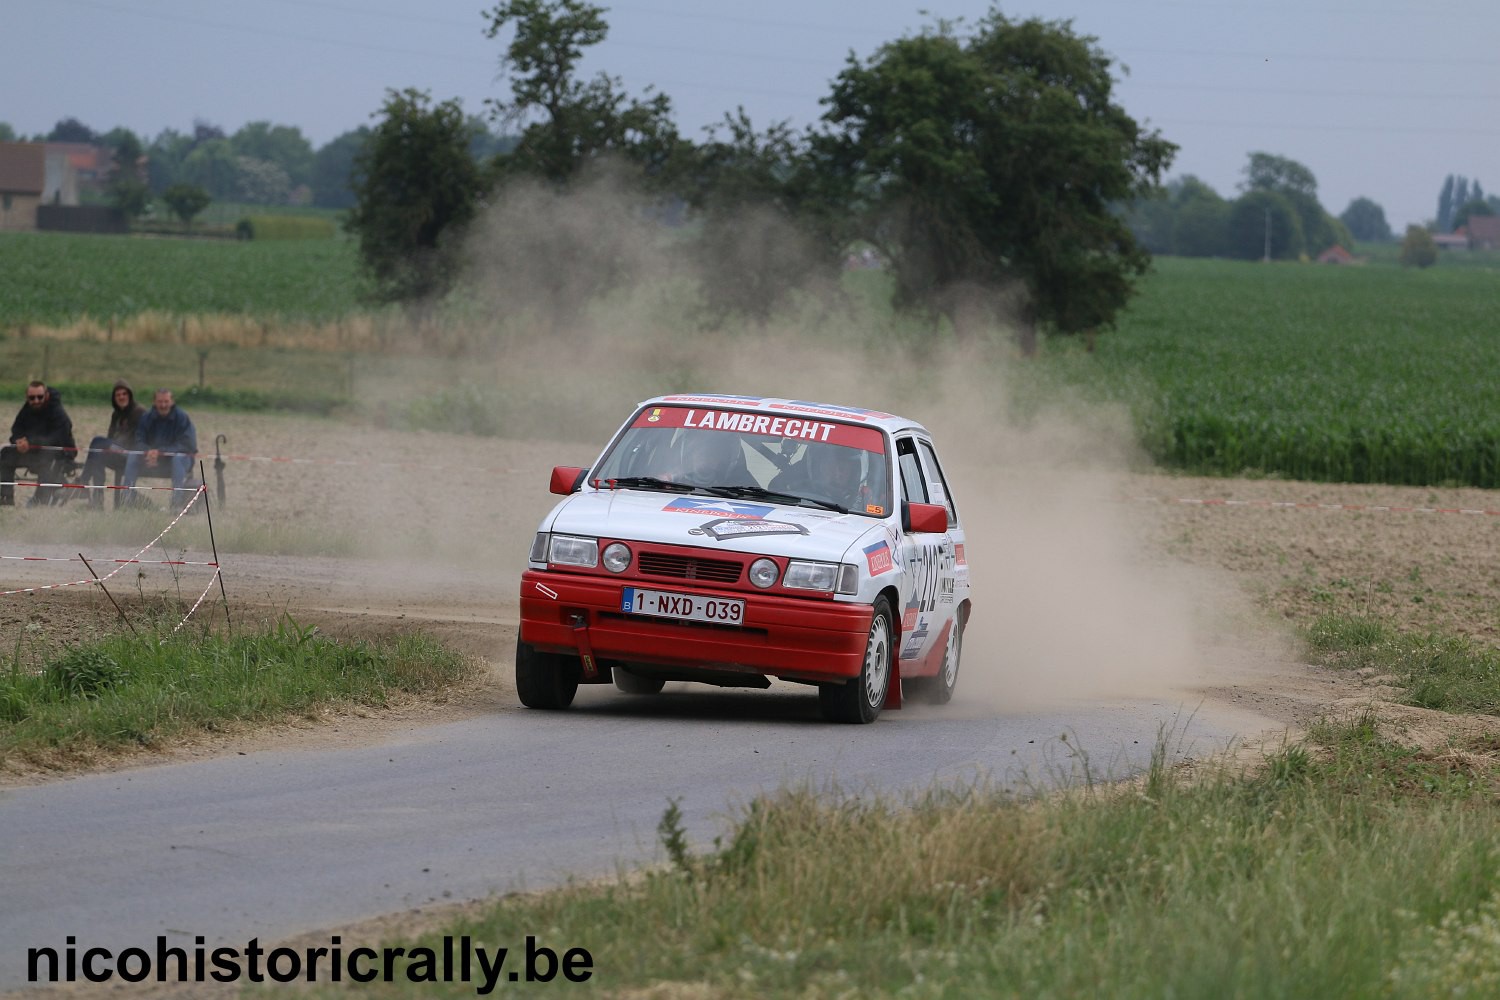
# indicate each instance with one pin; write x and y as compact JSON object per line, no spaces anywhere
{"x":958,"y":555}
{"x":909,"y":619}
{"x":764,"y":424}
{"x":725,"y":400}
{"x":740,"y":528}
{"x":714,"y":507}
{"x":828,"y":409}
{"x":878,"y":557}
{"x":914,"y":644}
{"x":654,"y":415}
{"x":875,"y":508}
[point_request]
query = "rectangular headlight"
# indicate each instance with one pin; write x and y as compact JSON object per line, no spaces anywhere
{"x":803,"y":575}
{"x":573,"y":550}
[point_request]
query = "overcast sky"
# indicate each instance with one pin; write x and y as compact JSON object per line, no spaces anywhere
{"x":1379,"y":98}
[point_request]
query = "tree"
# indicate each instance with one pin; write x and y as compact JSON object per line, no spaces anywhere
{"x":126,"y":189}
{"x":1470,"y":209}
{"x":7,"y":134}
{"x":185,"y":201}
{"x":416,"y":188}
{"x":332,"y":166}
{"x":1296,"y":184}
{"x":1418,"y":248}
{"x":165,"y":157}
{"x":1445,"y":206}
{"x":1201,"y":224}
{"x":571,"y":122}
{"x":283,"y":145}
{"x":990,"y":165}
{"x":1366,"y":221}
{"x":213,"y":166}
{"x":1265,"y":225}
{"x":71,"y":130}
{"x":261,"y":182}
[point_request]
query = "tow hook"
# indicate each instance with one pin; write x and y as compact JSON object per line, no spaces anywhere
{"x":578,"y":621}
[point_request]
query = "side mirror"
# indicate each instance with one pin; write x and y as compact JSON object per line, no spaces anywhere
{"x":927,"y":517}
{"x":567,"y":479}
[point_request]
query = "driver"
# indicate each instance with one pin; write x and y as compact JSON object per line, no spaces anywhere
{"x":834,"y":472}
{"x":709,"y":459}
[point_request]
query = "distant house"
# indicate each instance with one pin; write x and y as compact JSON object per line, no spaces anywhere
{"x":23,"y":177}
{"x":1484,"y":232}
{"x":1451,"y":241}
{"x":1336,"y":255}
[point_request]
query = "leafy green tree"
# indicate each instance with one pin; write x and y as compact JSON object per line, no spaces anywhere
{"x":126,"y":188}
{"x":1297,"y":185}
{"x":164,"y":158}
{"x":1201,"y":224}
{"x":71,"y":130}
{"x":1418,"y":248}
{"x":283,"y":145}
{"x":261,"y":182}
{"x":1265,"y":224}
{"x":1366,"y":221}
{"x":1470,"y":209}
{"x":567,"y":123}
{"x":214,"y":166}
{"x":7,"y":134}
{"x":416,"y":188}
{"x":186,"y":201}
{"x":332,"y":166}
{"x":983,"y":164}
{"x":1445,"y":206}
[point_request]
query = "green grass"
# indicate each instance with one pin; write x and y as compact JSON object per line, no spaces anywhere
{"x":57,"y":278}
{"x":122,"y":691}
{"x":1354,"y":374}
{"x":1349,"y":867}
{"x":1444,"y":672}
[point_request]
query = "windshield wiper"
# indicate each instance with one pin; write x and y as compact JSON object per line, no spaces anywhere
{"x":758,"y":492}
{"x":638,"y":483}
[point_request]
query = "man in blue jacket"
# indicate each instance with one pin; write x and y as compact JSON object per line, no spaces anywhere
{"x":41,"y":439}
{"x":164,"y":435}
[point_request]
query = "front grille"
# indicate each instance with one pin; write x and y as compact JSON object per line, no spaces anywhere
{"x":688,"y":568}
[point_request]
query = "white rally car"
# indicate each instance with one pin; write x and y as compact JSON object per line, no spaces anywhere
{"x":732,"y":539}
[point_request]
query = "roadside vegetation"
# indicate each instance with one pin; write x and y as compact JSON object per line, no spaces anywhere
{"x":1349,"y":864}
{"x":61,"y":705}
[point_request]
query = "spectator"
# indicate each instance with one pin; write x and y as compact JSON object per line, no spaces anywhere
{"x":110,"y":451}
{"x":164,"y":433}
{"x":41,"y":439}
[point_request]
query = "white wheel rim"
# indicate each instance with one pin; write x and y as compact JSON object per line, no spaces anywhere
{"x":950,"y":667}
{"x":877,"y":661}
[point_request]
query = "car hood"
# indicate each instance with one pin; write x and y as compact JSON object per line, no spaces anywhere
{"x":755,"y":526}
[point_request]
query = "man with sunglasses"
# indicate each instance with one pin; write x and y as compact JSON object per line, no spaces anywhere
{"x":41,"y":439}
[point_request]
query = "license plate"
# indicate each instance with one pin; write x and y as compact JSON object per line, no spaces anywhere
{"x":684,"y":607}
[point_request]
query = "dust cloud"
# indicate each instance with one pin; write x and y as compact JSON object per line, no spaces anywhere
{"x":1070,"y":599}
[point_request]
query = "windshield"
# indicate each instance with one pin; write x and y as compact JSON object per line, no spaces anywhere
{"x":823,"y":462}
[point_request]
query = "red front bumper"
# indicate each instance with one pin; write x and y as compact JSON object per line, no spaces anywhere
{"x":810,"y":640}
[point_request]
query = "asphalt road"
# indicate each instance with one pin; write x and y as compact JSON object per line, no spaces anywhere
{"x":273,"y":844}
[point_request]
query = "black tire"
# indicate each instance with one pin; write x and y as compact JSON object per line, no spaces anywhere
{"x":860,"y":700}
{"x":938,"y":690}
{"x":545,"y":680}
{"x":636,"y":684}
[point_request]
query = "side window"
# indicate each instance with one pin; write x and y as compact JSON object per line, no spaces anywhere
{"x":913,"y":485}
{"x":939,"y":482}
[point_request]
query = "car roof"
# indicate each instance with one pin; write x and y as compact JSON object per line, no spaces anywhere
{"x":774,"y":404}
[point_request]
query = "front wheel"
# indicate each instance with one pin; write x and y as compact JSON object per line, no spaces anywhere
{"x":860,"y":700}
{"x":545,"y":680}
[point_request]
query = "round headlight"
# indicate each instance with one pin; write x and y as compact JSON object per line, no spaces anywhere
{"x":616,"y":557}
{"x":763,"y":573}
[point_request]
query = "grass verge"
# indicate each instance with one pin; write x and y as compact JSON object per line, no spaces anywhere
{"x":126,"y":690}
{"x":1344,"y":865}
